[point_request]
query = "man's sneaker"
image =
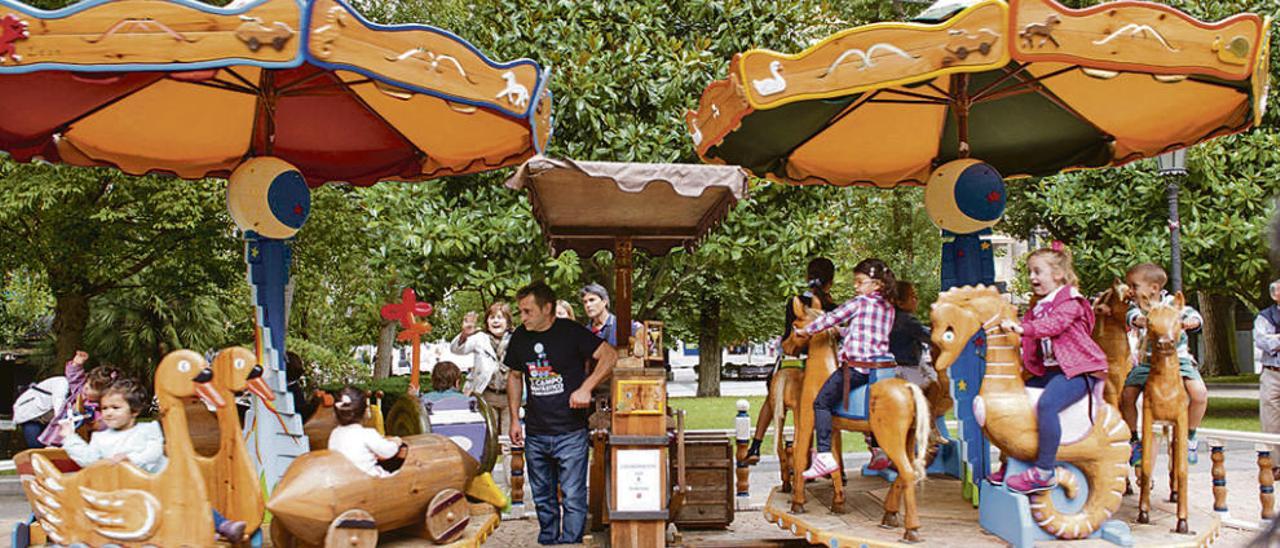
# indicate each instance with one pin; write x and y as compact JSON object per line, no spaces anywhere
{"x":1193,"y":446}
{"x":1135,"y":453}
{"x":231,"y":530}
{"x":997,"y":477}
{"x":824,"y":464}
{"x":1031,"y":481}
{"x":879,"y":460}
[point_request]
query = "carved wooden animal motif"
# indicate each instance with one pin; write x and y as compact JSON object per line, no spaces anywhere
{"x":230,"y":477}
{"x":1164,"y":398}
{"x":898,"y":415}
{"x":786,"y":391}
{"x":1008,"y":416}
{"x":113,"y":504}
{"x":1111,"y":334}
{"x":1043,"y":31}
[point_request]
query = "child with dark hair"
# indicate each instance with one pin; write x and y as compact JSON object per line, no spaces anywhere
{"x":363,"y":446}
{"x":866,"y":345}
{"x":83,"y":391}
{"x":126,"y":440}
{"x":445,"y":380}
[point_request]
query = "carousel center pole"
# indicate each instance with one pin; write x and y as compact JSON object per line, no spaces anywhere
{"x":622,"y":280}
{"x":269,"y":200}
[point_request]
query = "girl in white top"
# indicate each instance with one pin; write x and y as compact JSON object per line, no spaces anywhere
{"x":364,"y":447}
{"x":124,"y":439}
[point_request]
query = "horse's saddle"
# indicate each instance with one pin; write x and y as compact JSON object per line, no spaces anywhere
{"x":463,"y":420}
{"x":1075,"y":418}
{"x":858,"y":405}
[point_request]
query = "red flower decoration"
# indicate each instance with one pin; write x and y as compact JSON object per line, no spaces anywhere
{"x":993,"y":196}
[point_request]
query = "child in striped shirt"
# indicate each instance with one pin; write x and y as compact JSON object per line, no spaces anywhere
{"x":866,"y":345}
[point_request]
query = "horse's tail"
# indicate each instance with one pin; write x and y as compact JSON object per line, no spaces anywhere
{"x":919,"y":460}
{"x":1106,"y":484}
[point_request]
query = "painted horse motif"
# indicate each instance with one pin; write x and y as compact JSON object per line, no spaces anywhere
{"x":1111,"y":333}
{"x":1164,"y":398}
{"x":898,"y":416}
{"x":1007,"y":414}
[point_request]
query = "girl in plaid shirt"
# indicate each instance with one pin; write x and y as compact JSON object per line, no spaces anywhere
{"x":866,"y":344}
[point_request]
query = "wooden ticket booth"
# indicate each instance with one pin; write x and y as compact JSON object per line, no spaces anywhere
{"x":618,"y":207}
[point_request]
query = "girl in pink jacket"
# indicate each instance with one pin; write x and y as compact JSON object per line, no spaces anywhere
{"x":1058,"y":351}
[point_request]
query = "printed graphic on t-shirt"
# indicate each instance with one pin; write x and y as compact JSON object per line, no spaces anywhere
{"x":543,"y":380}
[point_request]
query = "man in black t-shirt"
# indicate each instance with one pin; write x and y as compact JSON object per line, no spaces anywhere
{"x":551,"y":357}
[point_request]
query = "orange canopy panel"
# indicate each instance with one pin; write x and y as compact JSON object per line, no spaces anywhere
{"x":183,"y":87}
{"x":1028,"y":86}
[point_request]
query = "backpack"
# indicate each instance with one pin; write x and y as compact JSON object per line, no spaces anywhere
{"x":40,"y":401}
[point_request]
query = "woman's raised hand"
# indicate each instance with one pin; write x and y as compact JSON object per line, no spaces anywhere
{"x":469,"y":324}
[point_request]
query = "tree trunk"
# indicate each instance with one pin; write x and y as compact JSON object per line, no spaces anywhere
{"x":70,"y":316}
{"x":1219,"y":334}
{"x":386,"y":351}
{"x":709,"y":347}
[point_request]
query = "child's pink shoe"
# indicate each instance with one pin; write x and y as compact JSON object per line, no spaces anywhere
{"x":824,"y":464}
{"x":1033,"y":480}
{"x":997,"y":477}
{"x":879,"y":460}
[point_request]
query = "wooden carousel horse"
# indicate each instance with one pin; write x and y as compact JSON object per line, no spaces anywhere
{"x":1006,"y":410}
{"x":116,"y":504}
{"x":1164,"y":398}
{"x":323,"y":499}
{"x":897,"y":414}
{"x":1112,"y":335}
{"x":230,"y":477}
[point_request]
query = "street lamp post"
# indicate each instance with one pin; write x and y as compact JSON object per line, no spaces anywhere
{"x":1173,"y":166}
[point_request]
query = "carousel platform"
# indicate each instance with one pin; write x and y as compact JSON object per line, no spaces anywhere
{"x":948,"y":520}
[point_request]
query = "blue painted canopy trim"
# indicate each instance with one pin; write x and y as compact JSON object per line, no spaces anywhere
{"x":145,"y":67}
{"x":303,"y":48}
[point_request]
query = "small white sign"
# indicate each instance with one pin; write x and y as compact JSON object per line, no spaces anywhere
{"x":639,"y":480}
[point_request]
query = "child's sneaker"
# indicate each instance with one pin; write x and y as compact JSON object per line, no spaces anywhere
{"x":753,"y":453}
{"x":879,"y":460}
{"x":1193,"y":446}
{"x":997,"y":477}
{"x":824,"y":464}
{"x":1033,"y":480}
{"x":1135,"y":453}
{"x":231,"y":530}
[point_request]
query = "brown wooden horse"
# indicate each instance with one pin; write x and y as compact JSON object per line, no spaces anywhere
{"x":1111,"y":333}
{"x":898,"y":416}
{"x":1164,"y":398}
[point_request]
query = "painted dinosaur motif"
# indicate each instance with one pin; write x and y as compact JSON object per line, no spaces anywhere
{"x":1007,"y":414}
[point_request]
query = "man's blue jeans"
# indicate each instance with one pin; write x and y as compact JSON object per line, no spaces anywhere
{"x":558,"y":460}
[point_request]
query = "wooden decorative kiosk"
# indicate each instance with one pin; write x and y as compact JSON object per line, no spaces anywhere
{"x":592,"y":206}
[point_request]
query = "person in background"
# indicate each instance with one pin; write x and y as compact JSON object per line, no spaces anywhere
{"x":446,"y":380}
{"x":34,"y":409}
{"x":1266,"y":338}
{"x":595,"y":301}
{"x":488,"y":375}
{"x":83,"y":390}
{"x":565,"y":310}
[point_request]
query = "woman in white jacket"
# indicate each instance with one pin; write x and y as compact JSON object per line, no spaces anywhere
{"x":488,"y":375}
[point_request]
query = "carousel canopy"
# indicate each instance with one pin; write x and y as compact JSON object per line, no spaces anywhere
{"x":187,"y":88}
{"x":1029,"y":86}
{"x":587,"y":206}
